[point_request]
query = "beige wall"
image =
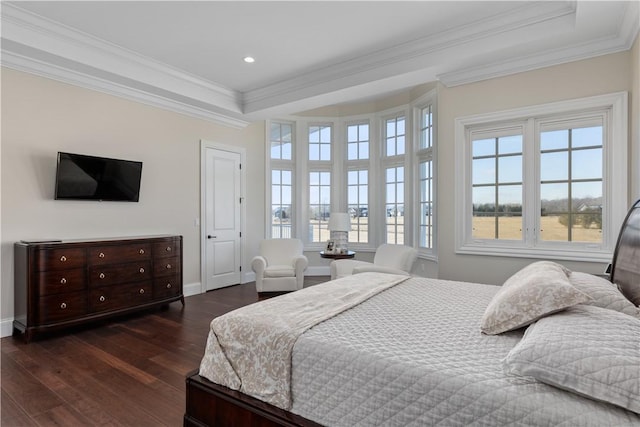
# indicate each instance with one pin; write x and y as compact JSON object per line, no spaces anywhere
{"x":605,"y":74}
{"x":41,"y":117}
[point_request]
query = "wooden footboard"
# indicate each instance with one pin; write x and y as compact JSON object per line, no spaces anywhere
{"x":209,"y":404}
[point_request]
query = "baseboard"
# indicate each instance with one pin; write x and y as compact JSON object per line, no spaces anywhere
{"x":6,"y":328}
{"x":318,"y":271}
{"x":192,"y":289}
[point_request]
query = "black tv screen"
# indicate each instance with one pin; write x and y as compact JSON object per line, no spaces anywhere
{"x":81,"y":177}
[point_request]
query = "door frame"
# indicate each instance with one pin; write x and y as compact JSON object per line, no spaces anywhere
{"x":204,"y":146}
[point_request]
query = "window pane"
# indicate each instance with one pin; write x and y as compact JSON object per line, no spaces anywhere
{"x":586,"y":164}
{"x":352,"y":151}
{"x":425,"y":221}
{"x":554,"y":140}
{"x":319,"y":205}
{"x":587,"y":137}
{"x":320,"y":143}
{"x":510,"y":144}
{"x":395,"y":206}
{"x":484,"y":171}
{"x":483,"y":147}
{"x":357,"y":199}
{"x":281,"y":141}
{"x":510,"y":227}
{"x":281,"y":191}
{"x":554,"y":166}
{"x":510,"y":169}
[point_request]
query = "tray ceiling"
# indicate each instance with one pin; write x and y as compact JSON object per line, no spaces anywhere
{"x":187,"y":56}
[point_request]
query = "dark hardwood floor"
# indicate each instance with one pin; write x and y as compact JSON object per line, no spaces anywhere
{"x":128,"y":371}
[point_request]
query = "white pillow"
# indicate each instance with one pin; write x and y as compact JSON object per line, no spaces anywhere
{"x":588,"y":350}
{"x":539,"y":289}
{"x":603,"y":293}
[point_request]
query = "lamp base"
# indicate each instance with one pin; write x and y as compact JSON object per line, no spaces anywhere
{"x":341,"y":239}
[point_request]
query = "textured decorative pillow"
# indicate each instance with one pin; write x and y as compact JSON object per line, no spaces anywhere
{"x":538,"y":289}
{"x":588,"y":350}
{"x":603,"y":293}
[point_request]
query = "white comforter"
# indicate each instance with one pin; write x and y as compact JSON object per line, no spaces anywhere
{"x":414,"y":356}
{"x":249,"y":349}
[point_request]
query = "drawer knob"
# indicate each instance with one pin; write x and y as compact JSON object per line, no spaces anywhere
{"x":102,"y":298}
{"x":101,"y":254}
{"x":168,"y":266}
{"x":168,"y":249}
{"x":63,"y":305}
{"x":141,"y":251}
{"x":63,"y":258}
{"x":141,"y":291}
{"x":168,"y":285}
{"x":141,"y":270}
{"x":101,"y":275}
{"x":63,"y":281}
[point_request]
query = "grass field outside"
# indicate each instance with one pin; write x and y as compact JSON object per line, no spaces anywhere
{"x":551,"y":229}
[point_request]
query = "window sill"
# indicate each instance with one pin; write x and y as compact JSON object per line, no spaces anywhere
{"x":538,"y":253}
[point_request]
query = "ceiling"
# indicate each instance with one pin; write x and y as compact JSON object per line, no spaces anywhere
{"x":188,"y":56}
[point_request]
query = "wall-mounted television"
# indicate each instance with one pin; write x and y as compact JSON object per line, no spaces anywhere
{"x":82,"y":177}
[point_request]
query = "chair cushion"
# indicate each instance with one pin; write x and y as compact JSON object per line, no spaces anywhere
{"x":279,"y":271}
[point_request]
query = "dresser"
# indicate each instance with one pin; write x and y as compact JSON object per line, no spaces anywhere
{"x":59,"y":284}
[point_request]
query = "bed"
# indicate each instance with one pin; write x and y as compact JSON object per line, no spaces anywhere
{"x":549,"y":347}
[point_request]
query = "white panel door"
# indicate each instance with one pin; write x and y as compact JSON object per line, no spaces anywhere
{"x":222,"y":218}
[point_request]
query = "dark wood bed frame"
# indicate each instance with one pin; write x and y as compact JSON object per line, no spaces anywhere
{"x":209,"y":404}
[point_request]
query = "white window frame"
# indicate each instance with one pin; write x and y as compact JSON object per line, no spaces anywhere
{"x":614,"y":174}
{"x":281,"y":164}
{"x":358,"y":165}
{"x":394,"y":161}
{"x":422,"y":155}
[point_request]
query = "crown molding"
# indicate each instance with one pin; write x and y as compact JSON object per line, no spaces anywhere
{"x":629,"y":29}
{"x":36,"y":45}
{"x":33,"y":44}
{"x":529,"y":21}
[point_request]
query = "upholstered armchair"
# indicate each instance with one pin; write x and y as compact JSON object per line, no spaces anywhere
{"x":394,"y":259}
{"x":280,"y":265}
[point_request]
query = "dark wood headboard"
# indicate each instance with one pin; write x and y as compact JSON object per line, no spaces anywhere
{"x":626,"y":258}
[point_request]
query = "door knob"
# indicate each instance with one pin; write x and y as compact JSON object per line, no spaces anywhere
{"x":209,"y":236}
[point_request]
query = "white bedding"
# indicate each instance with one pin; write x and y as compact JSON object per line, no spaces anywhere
{"x":414,"y":356}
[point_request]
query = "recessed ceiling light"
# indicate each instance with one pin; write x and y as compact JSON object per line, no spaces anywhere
{"x":249,"y":59}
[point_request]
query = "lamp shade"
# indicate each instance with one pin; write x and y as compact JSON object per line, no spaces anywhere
{"x":339,"y":222}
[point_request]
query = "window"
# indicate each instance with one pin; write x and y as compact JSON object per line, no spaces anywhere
{"x":395,"y":136}
{"x":358,"y":181}
{"x":281,"y":202}
{"x":320,"y":143}
{"x":394,"y":161}
{"x":357,"y":200}
{"x":281,"y":180}
{"x":497,"y":185}
{"x":571,"y":178}
{"x":378,"y":167}
{"x":545,"y":181}
{"x":425,"y":188}
{"x":319,"y":205}
{"x":320,"y":169}
{"x":281,"y":141}
{"x":395,"y":204}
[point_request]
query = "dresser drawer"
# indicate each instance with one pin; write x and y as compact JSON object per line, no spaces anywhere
{"x":59,"y":259}
{"x":166,"y":248}
{"x":111,"y":254}
{"x":67,"y":306}
{"x":59,"y":281}
{"x":166,"y":267}
{"x":119,"y":296}
{"x":165,"y":287}
{"x":101,"y":275}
